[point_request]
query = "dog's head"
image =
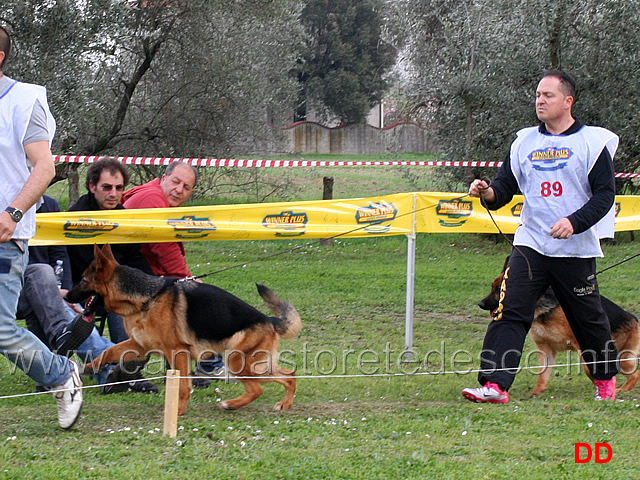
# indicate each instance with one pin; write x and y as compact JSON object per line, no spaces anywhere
{"x":96,"y":277}
{"x":491,"y":301}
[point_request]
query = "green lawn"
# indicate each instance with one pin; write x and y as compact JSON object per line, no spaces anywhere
{"x":349,"y":421}
{"x":351,"y":297}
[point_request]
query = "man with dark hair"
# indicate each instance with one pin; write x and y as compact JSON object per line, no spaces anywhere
{"x":106,"y":181}
{"x":5,"y":45}
{"x":26,"y":161}
{"x":113,"y":169}
{"x":564,"y":169}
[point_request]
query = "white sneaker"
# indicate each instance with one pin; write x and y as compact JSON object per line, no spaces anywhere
{"x":489,"y":393}
{"x":69,"y":398}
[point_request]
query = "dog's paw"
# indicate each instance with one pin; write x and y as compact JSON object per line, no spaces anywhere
{"x":281,"y":406}
{"x":227,"y":406}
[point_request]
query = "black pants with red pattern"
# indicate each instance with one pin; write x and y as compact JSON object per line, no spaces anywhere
{"x":575,"y":286}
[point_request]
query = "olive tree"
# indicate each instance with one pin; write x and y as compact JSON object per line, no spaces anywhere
{"x":159,"y":77}
{"x":473,"y":67}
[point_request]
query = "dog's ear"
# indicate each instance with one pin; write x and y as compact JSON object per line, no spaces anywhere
{"x":506,"y":262}
{"x":97,"y":252}
{"x":103,"y":256}
{"x":106,"y":250}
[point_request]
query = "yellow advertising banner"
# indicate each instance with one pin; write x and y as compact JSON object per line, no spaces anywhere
{"x":398,"y":214}
{"x":387,"y":215}
{"x":452,"y":212}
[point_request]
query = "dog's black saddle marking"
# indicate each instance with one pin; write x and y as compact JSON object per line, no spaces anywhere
{"x":215,"y":314}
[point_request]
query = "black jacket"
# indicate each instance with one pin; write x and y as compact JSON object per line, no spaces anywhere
{"x":82,"y":255}
{"x":49,"y":254}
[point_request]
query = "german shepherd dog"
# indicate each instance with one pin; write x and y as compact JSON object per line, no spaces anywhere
{"x":184,"y":320}
{"x":552,"y":334}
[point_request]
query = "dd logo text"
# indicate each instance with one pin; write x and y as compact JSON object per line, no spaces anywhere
{"x":587,"y":450}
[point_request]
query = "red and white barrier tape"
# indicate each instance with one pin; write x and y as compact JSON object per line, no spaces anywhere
{"x":246,"y":163}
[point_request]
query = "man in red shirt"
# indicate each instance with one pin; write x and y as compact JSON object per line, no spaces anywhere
{"x":168,"y":259}
{"x":173,"y":189}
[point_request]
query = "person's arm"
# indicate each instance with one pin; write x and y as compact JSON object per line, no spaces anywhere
{"x":500,"y":191}
{"x":41,"y":175}
{"x":603,"y":190}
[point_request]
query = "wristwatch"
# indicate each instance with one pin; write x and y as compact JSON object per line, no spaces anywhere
{"x":15,"y":213}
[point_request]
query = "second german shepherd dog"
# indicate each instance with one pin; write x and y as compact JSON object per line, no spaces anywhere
{"x":552,"y":334}
{"x":185,"y":320}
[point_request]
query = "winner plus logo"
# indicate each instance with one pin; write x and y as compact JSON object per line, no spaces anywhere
{"x":88,"y":228}
{"x":453,"y":213}
{"x":287,"y":223}
{"x":550,"y":159}
{"x":375,"y":215}
{"x":190,"y":227}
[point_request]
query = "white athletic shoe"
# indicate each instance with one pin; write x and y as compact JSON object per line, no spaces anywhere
{"x":69,"y":398}
{"x":488,"y":393}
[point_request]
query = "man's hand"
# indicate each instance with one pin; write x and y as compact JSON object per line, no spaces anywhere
{"x":480,"y":188}
{"x":76,"y":308}
{"x":7,"y":227}
{"x":562,"y":229}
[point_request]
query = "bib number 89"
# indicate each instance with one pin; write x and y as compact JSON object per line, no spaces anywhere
{"x":547,"y":189}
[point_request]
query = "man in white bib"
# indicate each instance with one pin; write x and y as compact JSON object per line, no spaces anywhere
{"x":564,"y":169}
{"x":27,"y":167}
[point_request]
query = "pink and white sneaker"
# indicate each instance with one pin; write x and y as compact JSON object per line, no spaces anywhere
{"x":605,"y":389}
{"x":489,"y":393}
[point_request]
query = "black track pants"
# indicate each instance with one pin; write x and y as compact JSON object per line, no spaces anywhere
{"x":574,"y":284}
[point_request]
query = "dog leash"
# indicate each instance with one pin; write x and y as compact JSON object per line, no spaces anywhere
{"x":298,"y":247}
{"x":515,"y":247}
{"x":617,"y":264}
{"x":482,"y":202}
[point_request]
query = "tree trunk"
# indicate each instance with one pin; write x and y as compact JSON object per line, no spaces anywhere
{"x":73,"y":180}
{"x":327,"y":194}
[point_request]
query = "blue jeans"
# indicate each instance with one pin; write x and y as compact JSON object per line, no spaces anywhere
{"x":46,"y":314}
{"x":91,"y":349}
{"x":17,"y":344}
{"x":41,"y":305}
{"x":117,"y":333}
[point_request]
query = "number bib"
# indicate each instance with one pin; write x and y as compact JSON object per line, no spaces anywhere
{"x":552,"y":172}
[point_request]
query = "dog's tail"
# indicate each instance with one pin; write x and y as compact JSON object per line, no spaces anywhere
{"x":290,"y":322}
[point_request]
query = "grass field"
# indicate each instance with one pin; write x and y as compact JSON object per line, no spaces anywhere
{"x":349,"y":420}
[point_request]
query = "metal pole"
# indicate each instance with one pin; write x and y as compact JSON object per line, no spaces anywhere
{"x":411,"y":277}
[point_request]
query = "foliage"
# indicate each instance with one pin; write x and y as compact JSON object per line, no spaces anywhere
{"x":474,"y":67}
{"x":158,"y":78}
{"x":343,"y":65}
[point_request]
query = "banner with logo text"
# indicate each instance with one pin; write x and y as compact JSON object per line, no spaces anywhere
{"x":397,"y":214}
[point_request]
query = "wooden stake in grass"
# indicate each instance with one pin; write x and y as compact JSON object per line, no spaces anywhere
{"x":171,"y":403}
{"x":327,"y":194}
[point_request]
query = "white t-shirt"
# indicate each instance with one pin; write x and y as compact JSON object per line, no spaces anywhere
{"x":17,"y":105}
